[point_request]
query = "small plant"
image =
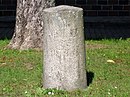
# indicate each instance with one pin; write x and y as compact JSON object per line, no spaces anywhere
{"x":42,"y":92}
{"x":50,"y":91}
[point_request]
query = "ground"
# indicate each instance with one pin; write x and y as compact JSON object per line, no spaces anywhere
{"x":21,"y":71}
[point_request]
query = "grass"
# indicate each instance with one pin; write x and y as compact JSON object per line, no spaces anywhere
{"x":21,"y":71}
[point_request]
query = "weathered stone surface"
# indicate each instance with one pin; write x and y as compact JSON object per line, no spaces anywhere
{"x":29,"y":24}
{"x":64,"y":50}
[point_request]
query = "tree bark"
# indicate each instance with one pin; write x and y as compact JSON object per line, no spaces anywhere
{"x":29,"y":24}
{"x":64,"y":48}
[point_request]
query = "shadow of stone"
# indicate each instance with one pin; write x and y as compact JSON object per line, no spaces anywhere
{"x":90,"y":76}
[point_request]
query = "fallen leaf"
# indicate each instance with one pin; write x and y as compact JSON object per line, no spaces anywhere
{"x":29,"y":66}
{"x":2,"y":64}
{"x":110,"y":61}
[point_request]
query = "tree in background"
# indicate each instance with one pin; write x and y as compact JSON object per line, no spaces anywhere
{"x":29,"y":24}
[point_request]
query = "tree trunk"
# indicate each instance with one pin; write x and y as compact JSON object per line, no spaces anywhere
{"x":29,"y":24}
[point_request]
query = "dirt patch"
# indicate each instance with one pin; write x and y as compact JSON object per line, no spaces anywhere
{"x":96,"y":46}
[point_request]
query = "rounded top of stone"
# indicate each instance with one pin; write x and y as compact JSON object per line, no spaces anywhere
{"x":62,"y":8}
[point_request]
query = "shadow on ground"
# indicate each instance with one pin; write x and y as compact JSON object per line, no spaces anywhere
{"x":90,"y":76}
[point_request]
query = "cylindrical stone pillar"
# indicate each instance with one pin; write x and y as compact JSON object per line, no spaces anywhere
{"x":64,"y":48}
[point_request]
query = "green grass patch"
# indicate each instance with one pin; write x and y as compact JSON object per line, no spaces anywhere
{"x":21,"y":71}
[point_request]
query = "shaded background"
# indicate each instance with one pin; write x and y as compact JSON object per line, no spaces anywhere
{"x":103,"y":19}
{"x":7,"y":18}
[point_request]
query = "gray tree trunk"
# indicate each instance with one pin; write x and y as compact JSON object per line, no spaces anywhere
{"x":64,"y":50}
{"x":29,"y":24}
